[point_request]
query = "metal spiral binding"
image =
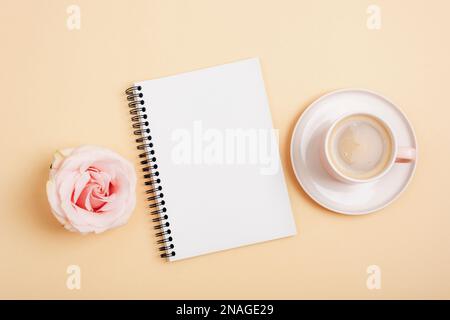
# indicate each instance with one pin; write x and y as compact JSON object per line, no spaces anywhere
{"x":141,"y":128}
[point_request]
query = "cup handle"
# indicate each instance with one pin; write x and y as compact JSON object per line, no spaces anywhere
{"x":405,"y":155}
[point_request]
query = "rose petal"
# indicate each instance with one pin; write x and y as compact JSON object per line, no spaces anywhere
{"x":102,"y":178}
{"x":54,"y":201}
{"x":80,"y":185}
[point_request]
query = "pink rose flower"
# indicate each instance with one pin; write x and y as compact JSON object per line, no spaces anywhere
{"x":91,"y":189}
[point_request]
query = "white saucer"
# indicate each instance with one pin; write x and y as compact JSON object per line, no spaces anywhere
{"x":306,"y":140}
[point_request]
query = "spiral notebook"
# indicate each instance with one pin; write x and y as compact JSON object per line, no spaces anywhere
{"x":210,"y":160}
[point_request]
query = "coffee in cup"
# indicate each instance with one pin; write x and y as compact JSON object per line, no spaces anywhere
{"x":361,"y":147}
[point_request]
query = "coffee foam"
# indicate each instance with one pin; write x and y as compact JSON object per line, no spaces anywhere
{"x":360,"y":147}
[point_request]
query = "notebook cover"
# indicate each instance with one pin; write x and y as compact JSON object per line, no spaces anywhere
{"x":222,"y":187}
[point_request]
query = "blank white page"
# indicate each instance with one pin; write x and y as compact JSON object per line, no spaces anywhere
{"x":215,"y":205}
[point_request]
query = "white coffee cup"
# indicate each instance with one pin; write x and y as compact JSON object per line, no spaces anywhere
{"x":357,"y":141}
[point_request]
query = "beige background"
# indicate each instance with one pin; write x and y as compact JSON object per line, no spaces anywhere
{"x":64,"y":88}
